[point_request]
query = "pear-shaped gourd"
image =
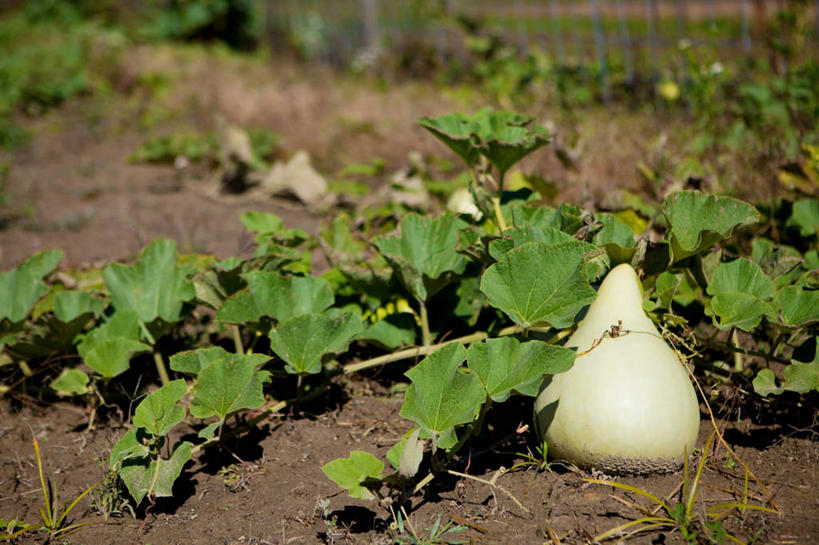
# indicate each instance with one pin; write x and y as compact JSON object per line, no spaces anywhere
{"x":627,"y":405}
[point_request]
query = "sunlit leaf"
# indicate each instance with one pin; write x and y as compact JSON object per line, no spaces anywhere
{"x":697,"y":220}
{"x":505,"y":365}
{"x":22,"y":287}
{"x":160,"y":411}
{"x":276,"y":296}
{"x":191,"y":362}
{"x":71,"y":382}
{"x":424,"y":255}
{"x":443,"y":393}
{"x":108,"y":348}
{"x":352,"y":473}
{"x":144,"y":476}
{"x":227,"y":385}
{"x":304,"y":340}
{"x":539,"y":283}
{"x":799,"y":306}
{"x":156,"y":287}
{"x":741,"y":295}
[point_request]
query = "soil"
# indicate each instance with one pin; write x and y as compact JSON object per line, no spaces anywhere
{"x":73,"y":188}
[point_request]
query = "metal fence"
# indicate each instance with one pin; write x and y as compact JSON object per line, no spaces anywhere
{"x":639,"y":36}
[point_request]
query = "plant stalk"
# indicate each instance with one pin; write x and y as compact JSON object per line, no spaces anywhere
{"x":423,"y":350}
{"x":161,"y":369}
{"x":426,"y":335}
{"x":237,"y":339}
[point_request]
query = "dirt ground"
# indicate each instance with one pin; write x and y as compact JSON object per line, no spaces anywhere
{"x":274,"y":498}
{"x":73,"y":188}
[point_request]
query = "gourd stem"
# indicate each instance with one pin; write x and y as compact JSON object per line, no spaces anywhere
{"x":738,"y":365}
{"x":161,"y":369}
{"x":237,"y":339}
{"x":425,"y":350}
{"x":426,"y":335}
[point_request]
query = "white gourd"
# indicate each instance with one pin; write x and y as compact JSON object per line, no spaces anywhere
{"x":627,"y":405}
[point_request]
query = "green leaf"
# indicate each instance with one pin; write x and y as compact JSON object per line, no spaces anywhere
{"x":443,"y":393}
{"x":262,"y":223}
{"x":191,"y":362}
{"x":799,"y":377}
{"x":227,"y":385}
{"x":765,"y":383}
{"x":70,"y":305}
{"x":156,"y":287}
{"x":539,"y":283}
{"x":455,"y":131}
{"x":799,"y":306}
{"x":802,"y":377}
{"x":22,"y":287}
{"x":276,"y":296}
{"x":616,"y":238}
{"x":518,"y":236}
{"x":154,"y":477}
{"x":741,"y":295}
{"x":71,"y":382}
{"x":805,"y":216}
{"x":353,"y":472}
{"x":107,"y":349}
{"x":160,"y":411}
{"x":391,"y":332}
{"x":783,"y":264}
{"x":129,"y":446}
{"x":697,"y":221}
{"x":505,"y":365}
{"x":500,"y":136}
{"x":424,"y":254}
{"x":304,"y":340}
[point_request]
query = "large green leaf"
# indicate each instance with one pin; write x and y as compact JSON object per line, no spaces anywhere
{"x":697,"y":221}
{"x":155,"y":477}
{"x":227,"y":385}
{"x":156,"y":287}
{"x":107,"y":349}
{"x":424,"y":254}
{"x":353,"y":472}
{"x":505,"y":365}
{"x":70,"y":305}
{"x":799,"y":306}
{"x":500,"y":136}
{"x":22,"y":287}
{"x":539,"y":283}
{"x":805,"y":216}
{"x":304,"y":340}
{"x":455,"y":131}
{"x":276,"y":296}
{"x":191,"y":362}
{"x":741,"y":294}
{"x":443,"y":393}
{"x":160,"y":411}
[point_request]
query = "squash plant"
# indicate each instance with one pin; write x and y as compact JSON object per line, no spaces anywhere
{"x":488,"y":304}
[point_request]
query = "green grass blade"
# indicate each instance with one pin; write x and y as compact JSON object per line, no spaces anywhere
{"x":649,"y":522}
{"x":632,"y":489}
{"x":74,"y":503}
{"x":692,"y":493}
{"x":47,"y":515}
